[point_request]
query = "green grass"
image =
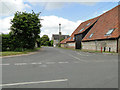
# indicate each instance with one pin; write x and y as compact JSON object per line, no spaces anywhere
{"x":8,"y":53}
{"x":85,"y":50}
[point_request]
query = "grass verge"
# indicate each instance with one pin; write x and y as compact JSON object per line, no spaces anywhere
{"x":8,"y":53}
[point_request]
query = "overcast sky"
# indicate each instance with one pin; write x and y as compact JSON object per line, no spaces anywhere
{"x":69,"y":14}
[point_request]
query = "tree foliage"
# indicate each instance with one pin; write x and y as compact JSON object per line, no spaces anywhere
{"x":61,"y":39}
{"x":25,"y":30}
{"x":51,"y":42}
{"x":45,"y":40}
{"x":5,"y":41}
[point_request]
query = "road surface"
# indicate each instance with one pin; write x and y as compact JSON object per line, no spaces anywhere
{"x":60,"y":68}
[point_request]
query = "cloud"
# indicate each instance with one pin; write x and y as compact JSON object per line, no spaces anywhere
{"x":55,"y":5}
{"x":10,"y":6}
{"x":48,"y":5}
{"x":51,"y":25}
{"x":5,"y":24}
{"x":88,"y":3}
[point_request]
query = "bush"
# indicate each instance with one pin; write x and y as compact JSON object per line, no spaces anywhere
{"x":6,"y":42}
{"x":19,"y":49}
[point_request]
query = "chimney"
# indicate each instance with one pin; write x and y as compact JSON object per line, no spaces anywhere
{"x":60,"y":29}
{"x":60,"y":32}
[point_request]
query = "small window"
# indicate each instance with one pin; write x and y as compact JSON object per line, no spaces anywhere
{"x":81,"y":30}
{"x":110,"y":31}
{"x":88,"y":24}
{"x":70,"y":38}
{"x":91,"y":35}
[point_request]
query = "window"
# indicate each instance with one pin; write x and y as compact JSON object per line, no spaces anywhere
{"x":70,"y":38}
{"x":88,"y":24}
{"x":91,"y":35}
{"x":81,"y":30}
{"x":110,"y":31}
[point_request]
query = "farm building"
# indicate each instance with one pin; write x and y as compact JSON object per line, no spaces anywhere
{"x":74,"y":41}
{"x":105,"y":33}
{"x":57,"y":37}
{"x":64,"y":43}
{"x":100,"y":33}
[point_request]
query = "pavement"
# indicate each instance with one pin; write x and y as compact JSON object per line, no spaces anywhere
{"x":60,"y":68}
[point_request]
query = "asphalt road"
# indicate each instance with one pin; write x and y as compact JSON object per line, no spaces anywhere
{"x":60,"y":68}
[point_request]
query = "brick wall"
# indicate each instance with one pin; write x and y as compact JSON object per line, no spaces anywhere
{"x":96,"y":45}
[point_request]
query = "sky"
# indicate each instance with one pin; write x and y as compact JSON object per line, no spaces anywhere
{"x":69,"y":14}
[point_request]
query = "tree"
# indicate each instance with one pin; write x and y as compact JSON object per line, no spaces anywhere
{"x":38,"y":41}
{"x":25,"y":29}
{"x":45,"y":40}
{"x":61,"y":39}
{"x":51,"y":42}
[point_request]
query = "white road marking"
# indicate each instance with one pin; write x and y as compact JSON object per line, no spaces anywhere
{"x":4,"y":64}
{"x":74,"y":57}
{"x":39,"y":63}
{"x":37,"y":82}
{"x":20,"y":64}
{"x":33,"y":63}
{"x":77,"y":58}
{"x":63,"y":62}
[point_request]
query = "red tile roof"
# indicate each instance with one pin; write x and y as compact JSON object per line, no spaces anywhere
{"x":81,"y":26}
{"x":107,"y":21}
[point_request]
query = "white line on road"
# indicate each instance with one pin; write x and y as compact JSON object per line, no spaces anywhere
{"x":39,"y":63}
{"x":37,"y":82}
{"x":77,"y":58}
{"x":20,"y":64}
{"x":4,"y":64}
{"x":63,"y":62}
{"x":34,"y":63}
{"x":73,"y":56}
